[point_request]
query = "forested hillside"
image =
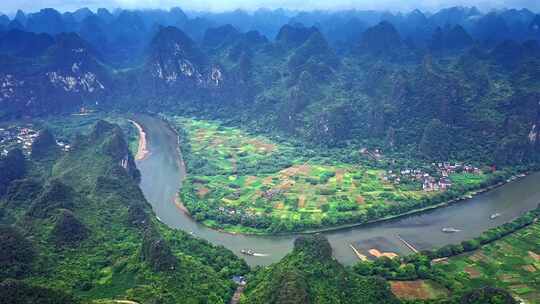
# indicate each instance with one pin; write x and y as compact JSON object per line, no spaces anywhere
{"x":75,"y":227}
{"x":311,"y":275}
{"x":443,"y":86}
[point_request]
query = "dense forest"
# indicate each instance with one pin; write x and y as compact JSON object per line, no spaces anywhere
{"x":75,"y":227}
{"x":311,"y":275}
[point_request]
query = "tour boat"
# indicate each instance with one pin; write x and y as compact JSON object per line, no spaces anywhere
{"x":494,"y":216}
{"x":247,"y":252}
{"x":450,"y":230}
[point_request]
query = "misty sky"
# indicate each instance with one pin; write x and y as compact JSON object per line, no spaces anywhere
{"x":10,"y":6}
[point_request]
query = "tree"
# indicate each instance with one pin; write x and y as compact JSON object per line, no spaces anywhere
{"x":44,"y":145}
{"x":12,"y":167}
{"x":364,"y":268}
{"x":470,"y":245}
{"x":157,"y":253}
{"x":407,"y":271}
{"x":16,"y":253}
{"x":18,"y":292}
{"x":488,"y":295}
{"x":435,"y":141}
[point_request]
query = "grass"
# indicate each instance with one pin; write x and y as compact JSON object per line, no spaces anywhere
{"x":512,"y":263}
{"x":240,"y":173}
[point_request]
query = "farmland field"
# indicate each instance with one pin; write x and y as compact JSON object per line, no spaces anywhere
{"x":419,"y":289}
{"x":246,"y":183}
{"x":512,"y":263}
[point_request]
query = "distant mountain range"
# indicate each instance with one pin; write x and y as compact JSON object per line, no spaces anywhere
{"x":129,"y":30}
{"x":330,"y":78}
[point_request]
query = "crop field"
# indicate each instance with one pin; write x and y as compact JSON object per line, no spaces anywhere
{"x":418,"y":290}
{"x":227,"y":151}
{"x":236,"y":174}
{"x":512,"y":263}
{"x":301,"y":190}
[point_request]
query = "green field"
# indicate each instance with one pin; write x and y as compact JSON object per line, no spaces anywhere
{"x":248,"y":183}
{"x":512,"y":263}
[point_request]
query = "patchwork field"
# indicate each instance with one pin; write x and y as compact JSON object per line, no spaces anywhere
{"x":247,"y":183}
{"x":417,"y":290}
{"x":512,"y":263}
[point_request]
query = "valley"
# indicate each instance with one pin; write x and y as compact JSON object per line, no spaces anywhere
{"x":166,"y":155}
{"x":162,"y":172}
{"x":423,"y":230}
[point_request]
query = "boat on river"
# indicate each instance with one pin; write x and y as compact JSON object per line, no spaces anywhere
{"x":249,"y":252}
{"x":494,"y":216}
{"x":450,"y":230}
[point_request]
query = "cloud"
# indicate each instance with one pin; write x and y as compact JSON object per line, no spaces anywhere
{"x":224,"y":5}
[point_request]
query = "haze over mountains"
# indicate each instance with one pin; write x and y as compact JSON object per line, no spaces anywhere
{"x":327,"y":77}
{"x":268,"y":22}
{"x":253,"y":5}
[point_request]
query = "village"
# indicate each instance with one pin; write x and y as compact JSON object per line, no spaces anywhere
{"x":440,"y":181}
{"x":437,"y":180}
{"x":22,"y":137}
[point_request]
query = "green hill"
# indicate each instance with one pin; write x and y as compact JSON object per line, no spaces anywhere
{"x":311,"y":275}
{"x":79,"y":223}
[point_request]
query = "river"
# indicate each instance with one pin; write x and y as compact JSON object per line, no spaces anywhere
{"x":162,"y":173}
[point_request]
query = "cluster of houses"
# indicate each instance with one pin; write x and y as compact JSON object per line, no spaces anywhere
{"x":430,"y":183}
{"x":226,"y":210}
{"x":22,"y":137}
{"x":244,"y":214}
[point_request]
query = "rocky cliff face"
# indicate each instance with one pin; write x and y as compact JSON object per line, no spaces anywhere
{"x":52,"y":78}
{"x":111,"y":142}
{"x":176,"y":60}
{"x":174,"y":57}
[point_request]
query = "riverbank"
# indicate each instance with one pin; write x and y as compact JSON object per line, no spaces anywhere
{"x":142,"y":150}
{"x":464,"y":197}
{"x":242,"y":230}
{"x":160,"y":184}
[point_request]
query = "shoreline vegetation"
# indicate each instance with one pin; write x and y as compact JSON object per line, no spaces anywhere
{"x":461,"y":199}
{"x":419,"y":211}
{"x":249,"y":231}
{"x":477,"y":263}
{"x":142,"y":150}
